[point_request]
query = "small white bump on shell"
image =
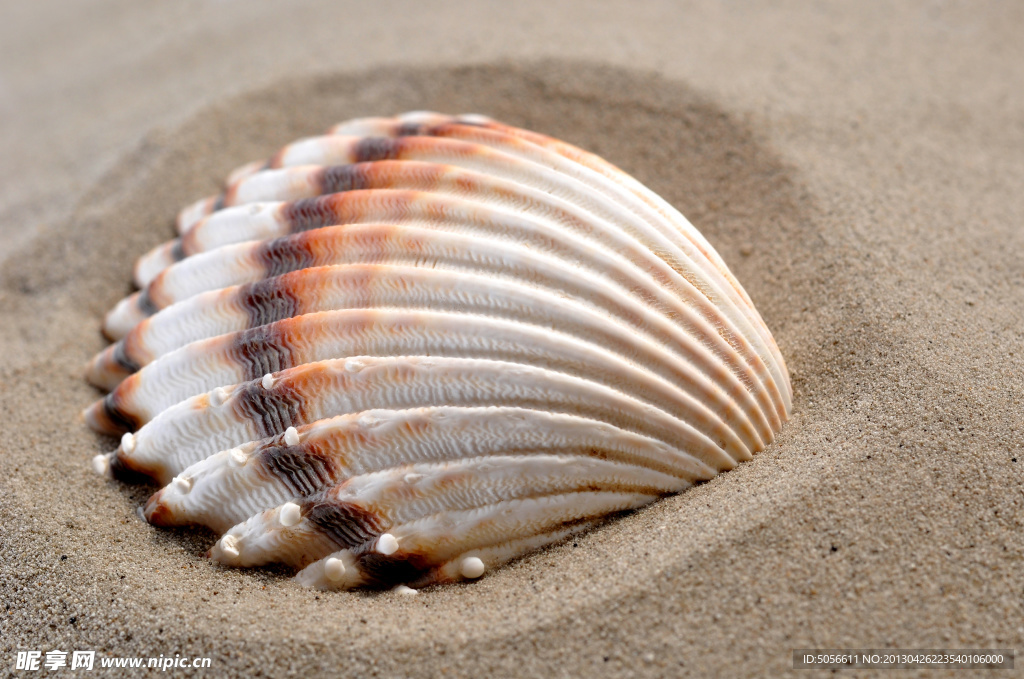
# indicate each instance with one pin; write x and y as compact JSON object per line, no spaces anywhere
{"x":238,"y":456}
{"x":229,"y":546}
{"x":128,"y":443}
{"x":387,"y":544}
{"x":334,"y":569}
{"x":101,"y":465}
{"x":290,"y":514}
{"x":218,"y":396}
{"x":472,"y":567}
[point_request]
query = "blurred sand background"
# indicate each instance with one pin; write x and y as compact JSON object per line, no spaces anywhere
{"x":858,"y":165}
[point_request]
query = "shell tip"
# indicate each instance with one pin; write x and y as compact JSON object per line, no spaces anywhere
{"x":155,"y":511}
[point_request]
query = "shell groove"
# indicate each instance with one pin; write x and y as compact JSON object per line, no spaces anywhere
{"x":414,"y":348}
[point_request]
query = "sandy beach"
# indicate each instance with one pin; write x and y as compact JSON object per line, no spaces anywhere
{"x":857,"y":166}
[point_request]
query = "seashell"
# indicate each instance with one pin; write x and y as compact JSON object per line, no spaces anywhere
{"x":418,"y":347}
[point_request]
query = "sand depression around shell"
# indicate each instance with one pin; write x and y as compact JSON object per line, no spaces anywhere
{"x":733,"y":555}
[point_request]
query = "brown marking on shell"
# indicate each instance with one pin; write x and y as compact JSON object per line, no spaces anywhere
{"x":407,"y":130}
{"x":283,"y":405}
{"x":270,"y":410}
{"x":109,"y":416}
{"x":273,"y":347}
{"x":346,"y":523}
{"x":313,"y":213}
{"x":351,"y":207}
{"x":225,"y":198}
{"x":288,"y":253}
{"x":369,"y":149}
{"x":304,"y":469}
{"x":118,"y":360}
{"x":125,"y":469}
{"x":340,"y":178}
{"x":178,"y":250}
{"x":153,"y":297}
{"x":320,"y":458}
{"x":264,"y":349}
{"x":145,"y":301}
{"x":132,"y":347}
{"x":387,"y":571}
{"x":158,"y":513}
{"x":270,"y":300}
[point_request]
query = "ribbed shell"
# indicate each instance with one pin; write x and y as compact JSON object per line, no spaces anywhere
{"x":417,"y":347}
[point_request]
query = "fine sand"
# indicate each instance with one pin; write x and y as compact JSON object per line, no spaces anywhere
{"x":865,"y":188}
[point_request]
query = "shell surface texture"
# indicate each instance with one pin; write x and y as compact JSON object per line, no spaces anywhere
{"x":415,"y":348}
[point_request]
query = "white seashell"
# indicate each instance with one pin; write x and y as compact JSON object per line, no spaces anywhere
{"x":418,"y":347}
